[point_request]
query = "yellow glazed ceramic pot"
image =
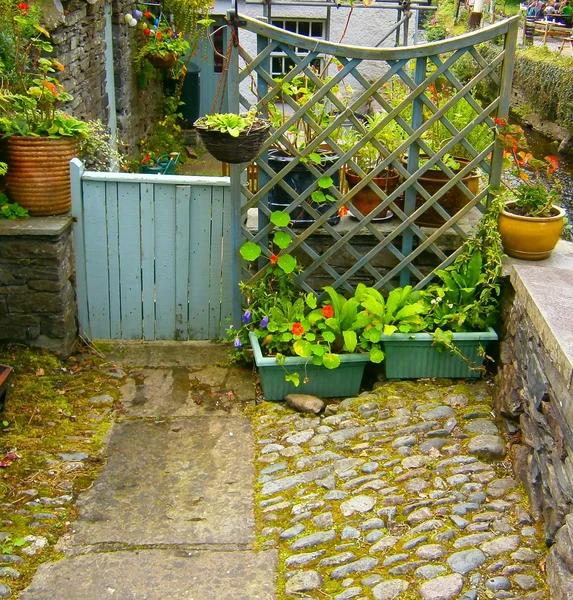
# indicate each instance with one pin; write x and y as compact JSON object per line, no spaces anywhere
{"x":530,"y":238}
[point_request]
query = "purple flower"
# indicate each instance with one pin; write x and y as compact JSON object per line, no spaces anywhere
{"x":264,"y":322}
{"x":137,"y":14}
{"x":237,"y":343}
{"x":247,"y":316}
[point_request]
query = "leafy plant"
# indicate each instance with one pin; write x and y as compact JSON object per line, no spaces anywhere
{"x":30,"y":96}
{"x":229,"y":123}
{"x":97,"y":150}
{"x":9,"y":210}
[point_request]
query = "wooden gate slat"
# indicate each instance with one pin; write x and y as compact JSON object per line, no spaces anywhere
{"x":165,"y":326}
{"x":95,"y":232}
{"x":148,"y":259}
{"x":113,"y":259}
{"x":130,"y":261}
{"x":182,"y":236}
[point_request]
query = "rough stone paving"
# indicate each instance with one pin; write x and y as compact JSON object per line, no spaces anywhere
{"x":402,"y":492}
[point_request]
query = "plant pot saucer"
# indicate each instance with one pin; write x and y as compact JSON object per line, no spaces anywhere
{"x":379,"y":219}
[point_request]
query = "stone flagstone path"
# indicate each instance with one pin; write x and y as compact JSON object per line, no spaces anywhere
{"x":401,"y":493}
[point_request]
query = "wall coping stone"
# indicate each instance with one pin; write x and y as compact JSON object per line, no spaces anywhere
{"x":50,"y":226}
{"x":546,"y":290}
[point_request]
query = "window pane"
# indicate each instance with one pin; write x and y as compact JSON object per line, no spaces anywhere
{"x":290,"y":26}
{"x":217,"y":39}
{"x":304,"y":28}
{"x":278,"y":24}
{"x":316,"y":30}
{"x":277,"y":65}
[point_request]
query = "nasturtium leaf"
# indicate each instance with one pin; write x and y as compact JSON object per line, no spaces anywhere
{"x":376,"y":355}
{"x":287,"y":263}
{"x":282,"y":239}
{"x":286,"y":336}
{"x":315,"y":158}
{"x":311,"y":337}
{"x":318,"y":350}
{"x":317,"y":360}
{"x":325,"y":182}
{"x":293,"y":378}
{"x":373,"y":335}
{"x":302,"y":348}
{"x":280,"y":358}
{"x":328,"y":336}
{"x":318,"y":196}
{"x":350,"y":340}
{"x":250,"y":251}
{"x":280,"y":218}
{"x":331,"y":361}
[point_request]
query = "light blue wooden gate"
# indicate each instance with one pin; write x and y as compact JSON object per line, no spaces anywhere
{"x":154,"y":255}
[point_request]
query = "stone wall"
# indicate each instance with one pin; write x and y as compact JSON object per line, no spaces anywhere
{"x":535,"y":397}
{"x":78,"y":34}
{"x":37,"y":299}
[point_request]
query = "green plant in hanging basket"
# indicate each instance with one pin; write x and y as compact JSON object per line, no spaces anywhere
{"x":233,"y":138}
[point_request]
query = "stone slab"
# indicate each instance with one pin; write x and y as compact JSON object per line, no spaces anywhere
{"x":183,"y":392}
{"x":35,"y":226}
{"x":546,"y":290}
{"x":167,"y":354}
{"x":186,"y":481}
{"x":157,"y":575}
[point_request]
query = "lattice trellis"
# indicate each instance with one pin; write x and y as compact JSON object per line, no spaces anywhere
{"x":418,"y":69}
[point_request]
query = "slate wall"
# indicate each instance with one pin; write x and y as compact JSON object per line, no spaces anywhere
{"x":37,"y":298}
{"x":534,"y":396}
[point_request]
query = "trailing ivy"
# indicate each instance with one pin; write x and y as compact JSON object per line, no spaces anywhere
{"x":546,"y":81}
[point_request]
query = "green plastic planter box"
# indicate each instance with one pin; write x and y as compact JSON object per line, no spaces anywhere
{"x":412,"y":356}
{"x":345,"y":380}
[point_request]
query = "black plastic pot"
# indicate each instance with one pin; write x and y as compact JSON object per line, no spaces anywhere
{"x":299,"y":179}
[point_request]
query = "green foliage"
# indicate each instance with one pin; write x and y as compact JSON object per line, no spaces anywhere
{"x":442,"y":23}
{"x":10,"y":210}
{"x":229,"y":123}
{"x":545,"y":79}
{"x":166,"y":136}
{"x":97,"y":150}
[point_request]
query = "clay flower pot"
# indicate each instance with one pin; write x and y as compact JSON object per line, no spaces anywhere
{"x":38,"y":175}
{"x":366,"y":200}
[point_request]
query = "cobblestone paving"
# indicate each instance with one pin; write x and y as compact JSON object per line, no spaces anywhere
{"x":402,"y":492}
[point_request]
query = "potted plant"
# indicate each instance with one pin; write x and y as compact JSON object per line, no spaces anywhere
{"x":296,"y":146}
{"x":531,"y":222}
{"x":233,"y":138}
{"x":367,"y":158}
{"x":39,"y":139}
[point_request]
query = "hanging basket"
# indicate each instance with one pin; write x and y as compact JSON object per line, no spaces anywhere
{"x":234,"y":150}
{"x":163,"y":63}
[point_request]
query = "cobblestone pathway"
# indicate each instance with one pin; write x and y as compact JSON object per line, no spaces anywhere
{"x":400,"y":493}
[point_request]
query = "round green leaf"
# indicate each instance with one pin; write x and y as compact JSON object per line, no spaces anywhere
{"x":318,"y":350}
{"x":282,"y":240}
{"x":287,"y":263}
{"x":331,"y":361}
{"x":325,"y":182}
{"x":280,"y":218}
{"x":376,"y":355}
{"x":310,"y":299}
{"x":302,"y":348}
{"x":328,"y":336}
{"x":250,"y":251}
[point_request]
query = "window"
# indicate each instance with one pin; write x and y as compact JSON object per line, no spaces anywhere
{"x":280,"y":63}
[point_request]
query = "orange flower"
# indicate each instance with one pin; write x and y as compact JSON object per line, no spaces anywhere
{"x":297,"y":329}
{"x":553,"y":163}
{"x":274,"y":258}
{"x":328,"y":311}
{"x":342,"y":211}
{"x":51,"y":87}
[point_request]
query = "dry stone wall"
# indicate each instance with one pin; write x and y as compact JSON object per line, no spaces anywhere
{"x":78,"y":34}
{"x":534,"y":396}
{"x":37,"y":298}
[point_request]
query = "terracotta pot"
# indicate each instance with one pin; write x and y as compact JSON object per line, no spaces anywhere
{"x":366,"y":200}
{"x":38,"y":175}
{"x":163,"y":62}
{"x":530,"y":238}
{"x":452,"y":201}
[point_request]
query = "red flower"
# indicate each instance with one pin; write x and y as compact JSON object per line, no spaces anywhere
{"x":342,"y":211}
{"x":328,"y":311}
{"x":23,"y":6}
{"x":159,"y":35}
{"x":297,"y":329}
{"x":274,"y":258}
{"x":146,"y":159}
{"x":498,"y":121}
{"x":147,"y":31}
{"x":553,"y":163}
{"x":147,"y":14}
